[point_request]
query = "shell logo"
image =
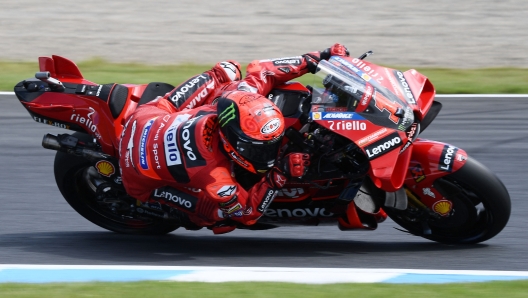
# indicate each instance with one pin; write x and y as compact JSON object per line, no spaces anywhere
{"x":443,"y":207}
{"x":365,"y":77}
{"x":105,"y":168}
{"x":316,"y":116}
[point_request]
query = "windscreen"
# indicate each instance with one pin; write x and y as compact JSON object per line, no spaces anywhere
{"x":339,"y":86}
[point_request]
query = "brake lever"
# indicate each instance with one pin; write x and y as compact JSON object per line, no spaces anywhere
{"x":365,"y":55}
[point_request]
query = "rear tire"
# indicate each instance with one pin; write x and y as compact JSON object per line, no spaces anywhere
{"x":481,"y":207}
{"x":73,"y":174}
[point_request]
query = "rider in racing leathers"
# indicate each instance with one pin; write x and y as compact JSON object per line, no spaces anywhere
{"x":180,"y":149}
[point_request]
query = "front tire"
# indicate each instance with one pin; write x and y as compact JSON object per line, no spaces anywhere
{"x":75,"y":178}
{"x":481,"y":208}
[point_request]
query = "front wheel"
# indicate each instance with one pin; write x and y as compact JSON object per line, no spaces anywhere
{"x":481,"y":208}
{"x":77,"y":180}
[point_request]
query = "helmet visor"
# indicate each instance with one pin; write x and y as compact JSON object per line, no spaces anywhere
{"x":261,"y":154}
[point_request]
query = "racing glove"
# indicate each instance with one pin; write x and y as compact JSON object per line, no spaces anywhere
{"x":276,"y":178}
{"x":335,"y":50}
{"x":296,"y":164}
{"x":312,"y":59}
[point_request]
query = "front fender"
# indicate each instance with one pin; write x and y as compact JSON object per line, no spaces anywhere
{"x":431,"y":160}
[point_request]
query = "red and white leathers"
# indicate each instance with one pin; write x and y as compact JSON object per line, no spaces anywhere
{"x":170,"y":149}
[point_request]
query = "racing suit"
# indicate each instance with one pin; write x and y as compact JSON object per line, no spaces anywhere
{"x":170,"y":150}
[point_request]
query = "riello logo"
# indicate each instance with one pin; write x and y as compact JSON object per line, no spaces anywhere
{"x":383,"y":146}
{"x":87,"y":121}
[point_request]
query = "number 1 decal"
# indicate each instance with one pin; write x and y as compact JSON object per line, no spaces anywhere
{"x":382,"y":103}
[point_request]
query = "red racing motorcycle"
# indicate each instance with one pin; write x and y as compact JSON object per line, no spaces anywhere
{"x":360,"y":122}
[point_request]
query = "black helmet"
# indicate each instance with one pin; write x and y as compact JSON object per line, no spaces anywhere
{"x":251,"y":129}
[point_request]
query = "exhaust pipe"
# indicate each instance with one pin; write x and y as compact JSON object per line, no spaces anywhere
{"x":62,"y":142}
{"x":51,"y":142}
{"x":71,"y":145}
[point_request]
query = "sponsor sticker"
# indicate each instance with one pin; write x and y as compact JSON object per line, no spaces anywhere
{"x":366,"y":98}
{"x":227,"y":115}
{"x":417,"y":173}
{"x":172,"y":152}
{"x":187,"y":140}
{"x":128,"y":157}
{"x":180,"y":94}
{"x":271,"y":126}
{"x":50,"y":122}
{"x":270,"y":195}
{"x":143,"y":145}
{"x":443,"y":207}
{"x":341,"y":115}
{"x":347,"y":125}
{"x":335,"y":109}
{"x":447,"y":158}
{"x":428,"y":192}
{"x":105,"y":168}
{"x":373,"y":137}
{"x":383,"y":146}
{"x":406,"y":89}
{"x":287,"y":61}
{"x":179,"y":198}
{"x":291,"y":192}
{"x":370,"y":71}
{"x":89,"y":121}
{"x":298,"y":212}
{"x":337,"y":115}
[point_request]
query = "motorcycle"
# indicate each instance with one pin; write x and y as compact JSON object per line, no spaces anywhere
{"x":359,"y":121}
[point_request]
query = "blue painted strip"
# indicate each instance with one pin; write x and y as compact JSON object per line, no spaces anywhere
{"x":90,"y":273}
{"x":85,"y":275}
{"x":448,"y":278}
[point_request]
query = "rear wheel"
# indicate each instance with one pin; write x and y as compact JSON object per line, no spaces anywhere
{"x":481,"y":208}
{"x":80,"y":184}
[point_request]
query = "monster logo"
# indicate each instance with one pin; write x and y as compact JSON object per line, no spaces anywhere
{"x":227,"y":115}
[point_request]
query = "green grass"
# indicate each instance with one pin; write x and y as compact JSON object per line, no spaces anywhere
{"x":478,"y":81}
{"x":510,"y":289}
{"x":446,"y":81}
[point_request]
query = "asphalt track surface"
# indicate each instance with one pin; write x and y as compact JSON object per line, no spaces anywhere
{"x":38,"y":227}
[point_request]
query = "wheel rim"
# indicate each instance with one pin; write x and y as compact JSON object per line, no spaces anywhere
{"x":468,"y":221}
{"x":87,"y":181}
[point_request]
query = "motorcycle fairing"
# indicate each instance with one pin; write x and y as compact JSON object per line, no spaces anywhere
{"x":410,"y":86}
{"x":289,"y":98}
{"x":380,"y":121}
{"x":79,"y":113}
{"x":432,"y":160}
{"x":316,"y":190}
{"x":62,"y":69}
{"x":81,"y":105}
